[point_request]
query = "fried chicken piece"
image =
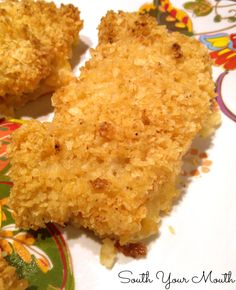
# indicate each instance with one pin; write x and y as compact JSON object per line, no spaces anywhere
{"x":8,"y":277}
{"x":36,"y":41}
{"x":110,"y":159}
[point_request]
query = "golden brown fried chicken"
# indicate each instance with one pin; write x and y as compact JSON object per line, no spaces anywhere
{"x":35,"y":47}
{"x":110,"y":159}
{"x":8,"y":277}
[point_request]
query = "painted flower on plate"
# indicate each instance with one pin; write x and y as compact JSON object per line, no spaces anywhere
{"x":223,"y":46}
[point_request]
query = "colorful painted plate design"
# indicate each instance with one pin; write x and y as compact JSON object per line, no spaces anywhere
{"x":42,"y":257}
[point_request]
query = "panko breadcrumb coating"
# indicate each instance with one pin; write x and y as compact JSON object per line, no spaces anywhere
{"x":8,"y":277}
{"x":35,"y":48}
{"x":110,"y":159}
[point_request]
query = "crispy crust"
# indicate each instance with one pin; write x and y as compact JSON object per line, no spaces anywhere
{"x":35,"y":47}
{"x":8,"y":277}
{"x":110,"y":159}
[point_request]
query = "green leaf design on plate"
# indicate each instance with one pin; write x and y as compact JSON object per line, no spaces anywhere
{"x":42,"y":256}
{"x":232,"y":19}
{"x":217,"y":18}
{"x":199,"y":7}
{"x":4,"y":142}
{"x":3,"y":158}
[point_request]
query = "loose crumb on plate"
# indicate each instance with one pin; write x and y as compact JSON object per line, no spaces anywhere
{"x":172,"y":230}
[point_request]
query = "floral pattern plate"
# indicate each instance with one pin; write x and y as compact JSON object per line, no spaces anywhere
{"x":196,"y":248}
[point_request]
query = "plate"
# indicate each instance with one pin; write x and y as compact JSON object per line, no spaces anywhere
{"x":196,"y":246}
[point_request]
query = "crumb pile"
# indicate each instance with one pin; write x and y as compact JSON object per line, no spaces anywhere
{"x":35,"y":48}
{"x":8,"y":277}
{"x":110,"y":159}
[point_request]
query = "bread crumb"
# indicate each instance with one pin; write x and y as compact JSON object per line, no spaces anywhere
{"x":172,"y":230}
{"x":108,"y":253}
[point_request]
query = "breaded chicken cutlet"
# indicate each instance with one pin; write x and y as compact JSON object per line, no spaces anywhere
{"x":36,"y":41}
{"x":8,"y":277}
{"x":110,"y":159}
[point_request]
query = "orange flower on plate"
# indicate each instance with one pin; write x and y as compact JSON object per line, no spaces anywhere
{"x":22,"y":251}
{"x":23,"y":244}
{"x":43,"y":264}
